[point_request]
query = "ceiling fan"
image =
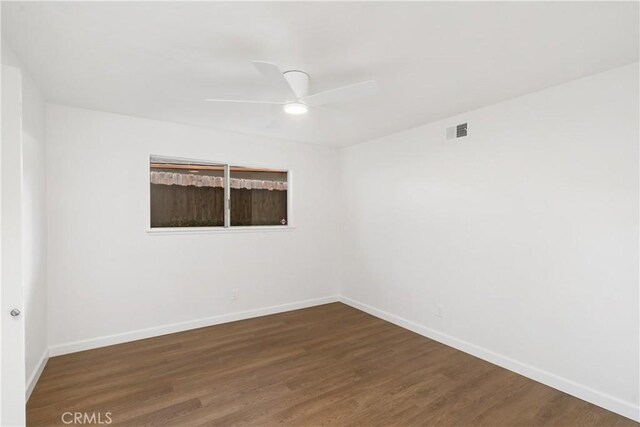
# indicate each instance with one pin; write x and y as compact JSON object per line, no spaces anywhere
{"x":294,"y":87}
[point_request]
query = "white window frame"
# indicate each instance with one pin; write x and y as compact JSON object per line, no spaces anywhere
{"x":227,"y":228}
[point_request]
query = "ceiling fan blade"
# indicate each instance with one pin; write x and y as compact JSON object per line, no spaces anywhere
{"x":342,"y":94}
{"x":274,"y":76}
{"x":245,"y":101}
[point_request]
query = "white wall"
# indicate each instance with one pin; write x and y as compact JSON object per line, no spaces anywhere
{"x":526,"y":232}
{"x":107,"y":275}
{"x":34,"y":217}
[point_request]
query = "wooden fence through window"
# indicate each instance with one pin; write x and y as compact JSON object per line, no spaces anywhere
{"x":191,"y":206}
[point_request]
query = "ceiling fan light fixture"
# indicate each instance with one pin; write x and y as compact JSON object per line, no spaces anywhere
{"x":296,"y":108}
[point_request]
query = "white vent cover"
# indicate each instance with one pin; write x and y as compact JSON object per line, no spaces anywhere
{"x":458,"y":131}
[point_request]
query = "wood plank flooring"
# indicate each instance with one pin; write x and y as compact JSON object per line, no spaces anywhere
{"x":326,"y":365}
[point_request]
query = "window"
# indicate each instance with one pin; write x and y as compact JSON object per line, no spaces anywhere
{"x":258,"y":196}
{"x":192,"y":193}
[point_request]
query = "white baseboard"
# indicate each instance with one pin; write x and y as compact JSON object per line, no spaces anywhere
{"x":37,"y":371}
{"x":88,"y":344}
{"x":626,"y":409}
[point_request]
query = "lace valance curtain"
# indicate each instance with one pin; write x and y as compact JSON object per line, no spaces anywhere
{"x":187,"y":179}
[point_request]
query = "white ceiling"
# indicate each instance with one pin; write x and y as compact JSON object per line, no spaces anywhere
{"x":431,"y":59}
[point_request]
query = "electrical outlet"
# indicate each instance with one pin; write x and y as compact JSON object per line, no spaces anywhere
{"x":234,"y":294}
{"x":439,"y":310}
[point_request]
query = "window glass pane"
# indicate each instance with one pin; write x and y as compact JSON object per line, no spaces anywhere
{"x":186,"y":193}
{"x":258,"y":196}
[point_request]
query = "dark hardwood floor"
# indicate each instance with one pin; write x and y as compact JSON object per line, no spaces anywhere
{"x":326,"y":365}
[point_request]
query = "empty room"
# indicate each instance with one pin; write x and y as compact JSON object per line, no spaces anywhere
{"x":316,"y":213}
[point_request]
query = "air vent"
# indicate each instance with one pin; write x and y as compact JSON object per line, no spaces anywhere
{"x":458,"y":131}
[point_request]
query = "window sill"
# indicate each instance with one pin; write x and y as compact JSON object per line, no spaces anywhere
{"x":207,"y":230}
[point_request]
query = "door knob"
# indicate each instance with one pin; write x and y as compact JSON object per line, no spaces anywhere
{"x":15,"y":312}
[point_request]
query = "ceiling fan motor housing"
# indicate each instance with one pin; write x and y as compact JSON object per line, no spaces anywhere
{"x":299,"y":82}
